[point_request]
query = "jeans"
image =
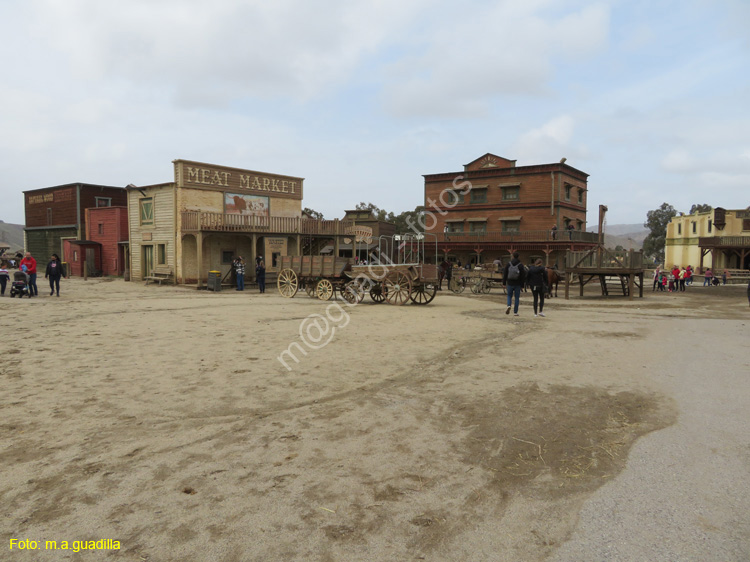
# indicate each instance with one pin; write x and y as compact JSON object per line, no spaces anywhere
{"x":514,"y":290}
{"x":3,"y":282}
{"x":240,"y":282}
{"x":262,"y":281}
{"x":32,"y":285}
{"x":707,"y":281}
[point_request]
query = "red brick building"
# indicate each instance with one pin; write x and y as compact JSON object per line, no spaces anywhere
{"x":54,"y":214}
{"x":493,"y":208}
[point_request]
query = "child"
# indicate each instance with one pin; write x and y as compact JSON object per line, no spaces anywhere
{"x":662,"y":281}
{"x":671,"y":283}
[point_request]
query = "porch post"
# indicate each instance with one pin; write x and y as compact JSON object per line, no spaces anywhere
{"x":199,"y":245}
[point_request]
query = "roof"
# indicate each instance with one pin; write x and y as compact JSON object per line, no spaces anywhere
{"x":85,"y":242}
{"x":78,"y":183}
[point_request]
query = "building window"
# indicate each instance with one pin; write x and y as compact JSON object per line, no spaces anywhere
{"x":511,"y":226}
{"x":580,"y":196}
{"x":710,"y":225}
{"x":452,"y":198}
{"x":101,"y":228}
{"x":511,"y":193}
{"x":147,"y":210}
{"x":679,"y":228}
{"x":478,"y":227}
{"x":103,"y":201}
{"x":695,"y":228}
{"x":227,"y":256}
{"x":745,"y":224}
{"x":455,"y":227}
{"x":75,"y":255}
{"x":568,"y":189}
{"x":161,"y":254}
{"x":478,"y":196}
{"x":49,"y":217}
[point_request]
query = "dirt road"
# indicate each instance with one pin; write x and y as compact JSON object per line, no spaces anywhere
{"x":163,"y":418}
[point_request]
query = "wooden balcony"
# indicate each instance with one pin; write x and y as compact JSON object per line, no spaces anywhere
{"x":196,"y":221}
{"x":724,"y":242}
{"x":561,"y":237}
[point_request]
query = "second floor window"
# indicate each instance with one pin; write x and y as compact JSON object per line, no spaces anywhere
{"x":580,"y":196}
{"x":511,"y":193}
{"x":511,"y":226}
{"x":147,"y":211}
{"x":103,"y":201}
{"x":568,"y":189}
{"x":478,"y":226}
{"x":454,"y":227}
{"x":478,"y":196}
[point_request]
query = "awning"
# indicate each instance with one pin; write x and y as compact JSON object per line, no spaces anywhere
{"x":518,"y":218}
{"x":84,"y":242}
{"x":455,"y":220}
{"x":476,"y":220}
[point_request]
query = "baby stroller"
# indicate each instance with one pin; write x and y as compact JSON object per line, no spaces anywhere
{"x":20,"y":285}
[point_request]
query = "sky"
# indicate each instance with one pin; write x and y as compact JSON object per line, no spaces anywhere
{"x":362,"y":98}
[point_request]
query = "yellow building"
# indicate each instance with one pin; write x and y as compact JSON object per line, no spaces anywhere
{"x":209,"y":214}
{"x":717,"y":239}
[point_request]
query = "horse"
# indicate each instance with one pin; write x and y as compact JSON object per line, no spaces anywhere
{"x":553,"y":277}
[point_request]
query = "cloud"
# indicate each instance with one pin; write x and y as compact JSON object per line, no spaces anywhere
{"x":504,"y":49}
{"x":550,"y":142}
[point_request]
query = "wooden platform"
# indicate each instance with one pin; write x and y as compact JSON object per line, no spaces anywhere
{"x":602,"y":264}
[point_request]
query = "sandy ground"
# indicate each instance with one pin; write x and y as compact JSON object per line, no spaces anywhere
{"x":162,"y":418}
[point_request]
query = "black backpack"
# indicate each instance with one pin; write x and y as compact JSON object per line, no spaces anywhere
{"x":514,"y":271}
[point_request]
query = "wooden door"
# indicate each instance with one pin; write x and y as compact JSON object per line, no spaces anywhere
{"x":148,"y":260}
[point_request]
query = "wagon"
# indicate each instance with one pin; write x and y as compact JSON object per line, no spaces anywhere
{"x":480,"y":280}
{"x":397,"y":274}
{"x":319,"y":276}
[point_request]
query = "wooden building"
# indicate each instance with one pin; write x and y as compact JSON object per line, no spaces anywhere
{"x":55,"y":214}
{"x":209,"y":214}
{"x":493,"y":208}
{"x":716,"y":239}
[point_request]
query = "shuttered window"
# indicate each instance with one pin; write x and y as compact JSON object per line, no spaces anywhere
{"x":147,"y":211}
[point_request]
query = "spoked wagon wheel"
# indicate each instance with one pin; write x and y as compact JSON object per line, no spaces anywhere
{"x":377,"y":293}
{"x":476,"y":286}
{"x":457,"y":285}
{"x":353,"y":292}
{"x":324,"y":290}
{"x":397,"y":288}
{"x":287,"y":283}
{"x":486,"y":286}
{"x":423,"y":294}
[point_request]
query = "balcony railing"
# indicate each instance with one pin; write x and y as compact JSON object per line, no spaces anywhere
{"x":221,"y":222}
{"x":725,"y":242}
{"x":522,"y":236}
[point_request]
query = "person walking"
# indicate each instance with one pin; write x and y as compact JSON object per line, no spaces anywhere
{"x":657,"y":274}
{"x":260,"y":273}
{"x":514,"y":275}
{"x":30,"y":264}
{"x":239,"y":273}
{"x":683,"y":275}
{"x":537,"y":280}
{"x":4,"y":277}
{"x":54,"y":272}
{"x":448,"y":273}
{"x":708,"y":278}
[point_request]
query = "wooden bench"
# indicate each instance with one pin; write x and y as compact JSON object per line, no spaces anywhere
{"x":159,"y":274}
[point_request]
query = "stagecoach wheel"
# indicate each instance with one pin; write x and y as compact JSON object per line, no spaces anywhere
{"x":476,"y":286}
{"x":324,"y":290}
{"x":423,"y":294}
{"x":397,"y":288}
{"x":377,"y":293}
{"x":287,"y":283}
{"x":486,"y":286}
{"x":457,"y":285}
{"x":353,"y":292}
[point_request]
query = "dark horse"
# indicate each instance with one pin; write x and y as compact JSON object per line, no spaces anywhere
{"x":553,"y":277}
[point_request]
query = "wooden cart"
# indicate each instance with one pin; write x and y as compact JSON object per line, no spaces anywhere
{"x":395,"y":283}
{"x":319,"y":276}
{"x":480,"y":279}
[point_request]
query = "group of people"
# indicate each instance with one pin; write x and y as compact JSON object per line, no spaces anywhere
{"x":678,"y":278}
{"x":516,"y":275}
{"x":28,"y":269}
{"x":238,"y":266}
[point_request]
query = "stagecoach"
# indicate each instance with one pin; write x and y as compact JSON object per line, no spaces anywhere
{"x":396,"y":273}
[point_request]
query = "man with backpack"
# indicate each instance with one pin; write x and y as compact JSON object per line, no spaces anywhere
{"x":514,"y":276}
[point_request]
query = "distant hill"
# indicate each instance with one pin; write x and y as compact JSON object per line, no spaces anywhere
{"x":12,"y":234}
{"x":625,"y":235}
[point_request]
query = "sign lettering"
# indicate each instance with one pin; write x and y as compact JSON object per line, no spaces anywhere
{"x":197,"y":175}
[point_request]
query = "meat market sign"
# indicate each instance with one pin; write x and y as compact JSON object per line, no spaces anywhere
{"x":198,"y":175}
